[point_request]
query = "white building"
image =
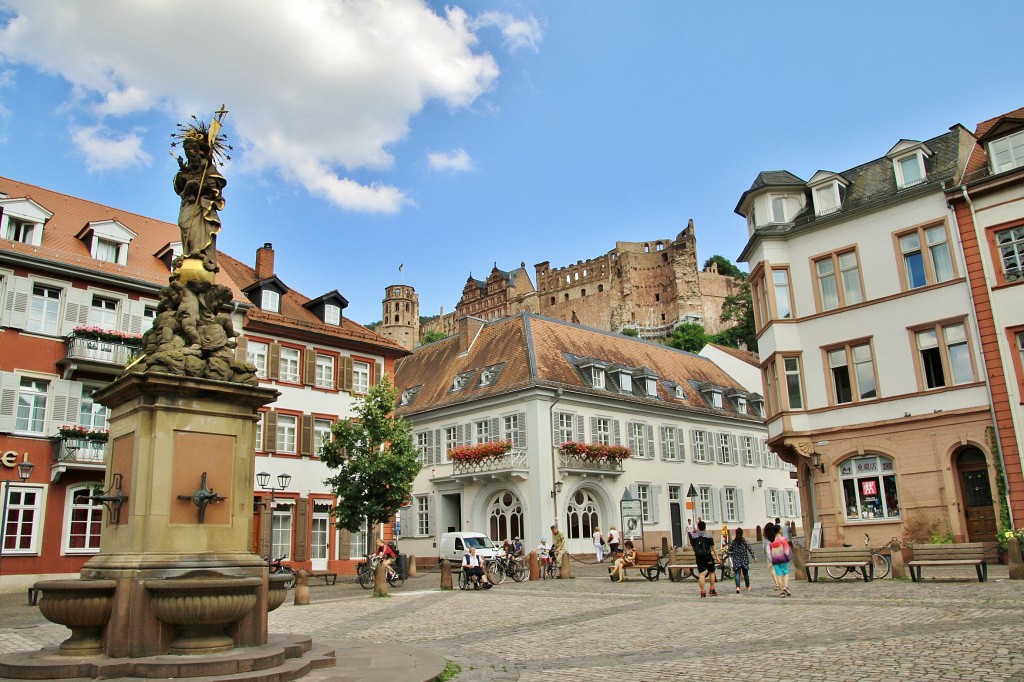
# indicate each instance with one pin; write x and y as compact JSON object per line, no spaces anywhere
{"x":539,"y":382}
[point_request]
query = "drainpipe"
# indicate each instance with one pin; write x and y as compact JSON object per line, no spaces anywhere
{"x":554,"y":464}
{"x":981,"y":350}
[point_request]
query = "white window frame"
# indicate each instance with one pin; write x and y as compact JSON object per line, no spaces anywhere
{"x":422,"y":513}
{"x":511,"y":429}
{"x":44,"y":309}
{"x":1014,"y":152}
{"x":748,"y":451}
{"x":257,"y":352}
{"x":324,"y":371}
{"x":643,"y":493}
{"x":705,"y":503}
{"x":270,"y":300}
{"x":602,"y":434}
{"x":451,"y":440}
{"x":1009,"y":245}
{"x":423,"y":444}
{"x":482,"y":431}
{"x":321,"y":428}
{"x":638,"y":436}
{"x":103,"y":312}
{"x":287,"y":426}
{"x":829,"y":190}
{"x":16,"y":517}
{"x":730,"y":504}
{"x":281,"y":530}
{"x":289,"y":367}
{"x":332,"y":314}
{"x":701,"y":450}
{"x":669,"y":443}
{"x":360,"y":377}
{"x":724,"y":448}
{"x":596,"y":376}
{"x":897,"y":163}
{"x":32,"y":390}
{"x":93,"y":511}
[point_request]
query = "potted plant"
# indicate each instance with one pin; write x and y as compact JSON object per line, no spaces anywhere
{"x":73,"y":431}
{"x":107,"y":335}
{"x":595,"y":452}
{"x":98,"y":435}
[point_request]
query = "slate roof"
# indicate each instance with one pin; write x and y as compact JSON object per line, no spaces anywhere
{"x":539,"y":351}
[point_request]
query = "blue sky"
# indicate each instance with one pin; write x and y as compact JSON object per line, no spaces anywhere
{"x":448,"y":137}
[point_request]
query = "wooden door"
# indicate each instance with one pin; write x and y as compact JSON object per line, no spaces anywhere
{"x":977,"y":496}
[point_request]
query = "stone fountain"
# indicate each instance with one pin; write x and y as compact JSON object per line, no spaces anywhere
{"x":175,"y":590}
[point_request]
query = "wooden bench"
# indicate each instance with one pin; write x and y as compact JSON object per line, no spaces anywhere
{"x":963,"y":554}
{"x":647,"y":564}
{"x":685,"y":566}
{"x":328,"y":577}
{"x":857,"y":558}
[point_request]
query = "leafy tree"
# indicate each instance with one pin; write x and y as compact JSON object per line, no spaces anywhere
{"x":375,"y":459}
{"x":629,"y":331}
{"x":433,"y":335}
{"x":688,"y":336}
{"x":725,"y":267}
{"x":739,"y":308}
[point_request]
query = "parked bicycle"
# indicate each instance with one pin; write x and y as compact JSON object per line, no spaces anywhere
{"x":366,"y":570}
{"x":277,"y":566}
{"x":880,"y":561}
{"x":506,"y":565}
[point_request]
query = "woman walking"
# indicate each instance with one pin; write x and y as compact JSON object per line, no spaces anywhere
{"x":741,"y":554}
{"x":599,"y":544}
{"x":613,"y":541}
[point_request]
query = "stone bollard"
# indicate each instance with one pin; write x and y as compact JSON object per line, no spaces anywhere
{"x":411,"y":567}
{"x":798,"y":563}
{"x":673,"y":573}
{"x":897,"y":567}
{"x":664,"y":545}
{"x":534,"y":565}
{"x":1014,"y":560}
{"x":446,"y":575}
{"x":302,"y":587}
{"x":757,"y":532}
{"x":565,"y":568}
{"x":380,"y":581}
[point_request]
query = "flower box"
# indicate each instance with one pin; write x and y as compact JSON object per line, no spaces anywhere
{"x":480,"y":452}
{"x":107,"y":335}
{"x":76,"y":432}
{"x":595,"y":452}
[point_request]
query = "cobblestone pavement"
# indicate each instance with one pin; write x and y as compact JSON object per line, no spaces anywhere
{"x":586,"y":628}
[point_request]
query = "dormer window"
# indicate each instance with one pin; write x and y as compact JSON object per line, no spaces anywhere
{"x":679,"y":392}
{"x":908,"y":163}
{"x":827,"y":192}
{"x":713,"y":394}
{"x":625,"y":381}
{"x":1007,"y":153}
{"x":22,"y":220}
{"x":741,"y":405}
{"x":332,"y":314}
{"x":461,"y":380}
{"x":757,"y":407}
{"x":270,"y":301}
{"x":108,"y":240}
{"x":597,"y":376}
{"x":651,"y":386}
{"x":408,"y":395}
{"x":487,"y":377}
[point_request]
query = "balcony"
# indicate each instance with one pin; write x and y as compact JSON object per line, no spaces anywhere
{"x":77,"y":453}
{"x":506,"y":466}
{"x":584,"y":466}
{"x":97,"y":355}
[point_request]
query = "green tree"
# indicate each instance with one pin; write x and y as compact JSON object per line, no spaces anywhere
{"x":739,"y":308}
{"x":688,"y":336}
{"x":725,"y":267}
{"x":629,"y":331}
{"x":433,"y":335}
{"x":375,"y":460}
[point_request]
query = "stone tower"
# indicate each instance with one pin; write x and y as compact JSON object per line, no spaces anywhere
{"x":401,"y":316}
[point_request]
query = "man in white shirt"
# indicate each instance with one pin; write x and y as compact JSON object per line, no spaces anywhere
{"x":474,"y":566}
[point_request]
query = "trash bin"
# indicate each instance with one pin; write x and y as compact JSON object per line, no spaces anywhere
{"x":403,"y":565}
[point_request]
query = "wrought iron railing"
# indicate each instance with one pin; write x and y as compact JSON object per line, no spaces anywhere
{"x":513,"y":459}
{"x":579,"y":463}
{"x":78,"y":451}
{"x":110,"y":352}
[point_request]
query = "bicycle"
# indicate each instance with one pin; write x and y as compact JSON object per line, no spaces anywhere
{"x":366,"y":570}
{"x":276,"y":566}
{"x":880,"y":563}
{"x":505,"y":565}
{"x":547,"y":567}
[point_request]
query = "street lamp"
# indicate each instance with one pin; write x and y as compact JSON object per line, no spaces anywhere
{"x":558,"y":489}
{"x":816,"y":462}
{"x":263,"y":481}
{"x":24,"y":473}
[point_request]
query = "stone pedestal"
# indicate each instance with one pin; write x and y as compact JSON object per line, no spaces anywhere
{"x":167,"y":431}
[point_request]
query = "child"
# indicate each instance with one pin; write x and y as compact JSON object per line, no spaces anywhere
{"x":741,"y":554}
{"x":544,"y":555}
{"x":781,"y":551}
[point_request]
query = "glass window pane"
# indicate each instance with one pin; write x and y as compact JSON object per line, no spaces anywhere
{"x":911,"y":169}
{"x":960,"y":363}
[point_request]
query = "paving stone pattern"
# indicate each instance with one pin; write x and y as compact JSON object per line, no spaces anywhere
{"x":589,"y":628}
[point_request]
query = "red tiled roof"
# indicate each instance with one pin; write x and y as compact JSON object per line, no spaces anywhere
{"x":71,"y":214}
{"x":294,"y":316}
{"x":979,"y":156}
{"x":533,"y":350}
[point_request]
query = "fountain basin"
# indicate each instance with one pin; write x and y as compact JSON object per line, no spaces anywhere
{"x":200,"y":608}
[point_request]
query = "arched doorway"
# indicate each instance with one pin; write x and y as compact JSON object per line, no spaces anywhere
{"x":976,"y":495}
{"x":581,"y":518}
{"x":505,"y":516}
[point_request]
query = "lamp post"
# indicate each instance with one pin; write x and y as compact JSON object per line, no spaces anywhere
{"x":263,"y":481}
{"x":24,"y":473}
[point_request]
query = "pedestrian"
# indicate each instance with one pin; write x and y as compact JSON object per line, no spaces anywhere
{"x":690,"y":530}
{"x":725,"y":535}
{"x":707,"y":556}
{"x":781,"y":552}
{"x":613,"y":541}
{"x":741,"y":554}
{"x":557,"y":547}
{"x":617,"y":571}
{"x":599,"y":544}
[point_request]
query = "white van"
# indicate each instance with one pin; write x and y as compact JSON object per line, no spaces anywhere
{"x":455,"y":545}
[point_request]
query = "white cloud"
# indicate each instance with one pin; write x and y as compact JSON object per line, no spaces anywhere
{"x":518,"y":33}
{"x":105,"y":150}
{"x":317,"y":89}
{"x":455,"y":160}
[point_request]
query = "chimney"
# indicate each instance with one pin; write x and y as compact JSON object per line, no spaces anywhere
{"x":265,"y":261}
{"x":469,"y":327}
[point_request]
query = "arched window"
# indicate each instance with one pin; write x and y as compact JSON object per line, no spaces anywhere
{"x":83,"y":520}
{"x":869,"y":488}
{"x":583,"y":292}
{"x":600,"y":288}
{"x":505,"y":516}
{"x":581,"y":515}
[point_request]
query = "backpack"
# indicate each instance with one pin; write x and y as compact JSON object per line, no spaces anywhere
{"x":394,"y":547}
{"x":780,"y":553}
{"x":702,"y":546}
